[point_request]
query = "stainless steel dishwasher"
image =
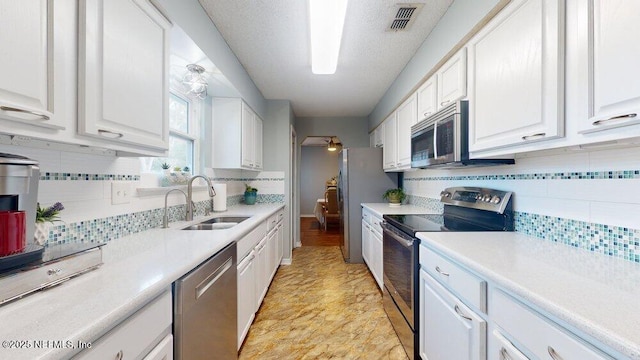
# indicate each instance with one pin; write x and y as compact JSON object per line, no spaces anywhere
{"x":205,"y":309}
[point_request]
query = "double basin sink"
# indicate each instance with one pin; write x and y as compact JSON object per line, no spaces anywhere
{"x":218,"y":223}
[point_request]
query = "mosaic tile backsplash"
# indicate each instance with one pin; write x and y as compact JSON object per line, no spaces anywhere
{"x":113,"y":227}
{"x":587,"y":207}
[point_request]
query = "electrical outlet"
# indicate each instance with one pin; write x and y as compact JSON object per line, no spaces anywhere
{"x":120,"y":192}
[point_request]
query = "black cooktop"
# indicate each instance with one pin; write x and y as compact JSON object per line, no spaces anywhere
{"x":454,"y":219}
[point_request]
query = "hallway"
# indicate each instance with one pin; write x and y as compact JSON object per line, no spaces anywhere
{"x":319,"y":308}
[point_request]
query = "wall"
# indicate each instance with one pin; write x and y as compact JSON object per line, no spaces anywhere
{"x":317,"y":165}
{"x":352,"y":131}
{"x":459,"y":19}
{"x":589,"y":200}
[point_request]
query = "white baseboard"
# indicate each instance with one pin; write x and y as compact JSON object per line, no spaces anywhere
{"x":285,"y":262}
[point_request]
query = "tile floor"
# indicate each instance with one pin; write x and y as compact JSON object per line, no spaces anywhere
{"x":322,"y":308}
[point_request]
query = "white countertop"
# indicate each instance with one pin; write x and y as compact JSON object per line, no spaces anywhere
{"x":136,"y":269}
{"x":385,"y":209}
{"x":597,"y":294}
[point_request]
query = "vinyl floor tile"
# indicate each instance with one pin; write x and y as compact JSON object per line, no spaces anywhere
{"x":322,"y":308}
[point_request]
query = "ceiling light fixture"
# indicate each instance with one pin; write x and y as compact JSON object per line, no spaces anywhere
{"x":326,"y":21}
{"x":332,"y":146}
{"x":195,"y":81}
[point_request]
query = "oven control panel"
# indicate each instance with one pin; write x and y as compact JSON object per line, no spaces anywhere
{"x":477,"y":198}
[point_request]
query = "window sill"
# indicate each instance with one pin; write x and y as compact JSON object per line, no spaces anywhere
{"x":161,"y":190}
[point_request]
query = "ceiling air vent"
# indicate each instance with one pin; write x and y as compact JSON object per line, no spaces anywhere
{"x":404,"y":15}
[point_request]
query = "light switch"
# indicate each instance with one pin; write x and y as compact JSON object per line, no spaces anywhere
{"x":120,"y":192}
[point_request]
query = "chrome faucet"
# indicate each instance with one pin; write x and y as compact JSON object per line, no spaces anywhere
{"x":165,"y":218}
{"x":190,"y":205}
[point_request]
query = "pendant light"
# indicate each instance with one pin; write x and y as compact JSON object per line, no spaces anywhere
{"x":331,"y":146}
{"x":195,"y":81}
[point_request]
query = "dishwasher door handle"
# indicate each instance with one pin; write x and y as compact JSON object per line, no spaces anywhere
{"x":212,"y":278}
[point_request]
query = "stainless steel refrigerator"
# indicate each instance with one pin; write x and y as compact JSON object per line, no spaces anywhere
{"x":360,"y":180}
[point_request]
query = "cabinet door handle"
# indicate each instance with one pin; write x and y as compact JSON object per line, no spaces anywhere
{"x":13,"y":109}
{"x":445,"y":102}
{"x":534,"y":136}
{"x":119,"y":355}
{"x":441,"y":272}
{"x":110,"y":134}
{"x":427,"y":113}
{"x":462,"y":315}
{"x":554,"y":355}
{"x":614,"y":118}
{"x":504,"y":355}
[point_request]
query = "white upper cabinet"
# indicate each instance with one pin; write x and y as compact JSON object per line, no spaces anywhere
{"x":397,"y":136}
{"x":235,"y":136}
{"x":123,"y":72}
{"x":407,"y":117}
{"x":378,"y":137}
{"x":516,"y":76}
{"x":427,"y":98}
{"x":447,"y":85}
{"x":389,"y":151}
{"x":452,"y":79}
{"x":27,"y":67}
{"x":613,"y":72}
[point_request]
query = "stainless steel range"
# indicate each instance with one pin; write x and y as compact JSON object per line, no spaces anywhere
{"x":465,"y":209}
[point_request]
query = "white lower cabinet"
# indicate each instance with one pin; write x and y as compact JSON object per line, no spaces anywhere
{"x":246,"y":296}
{"x":145,"y":333}
{"x":366,"y":243}
{"x":536,"y":334}
{"x":448,"y":328}
{"x":262,"y":272}
{"x":499,"y":348}
{"x":376,"y":256}
{"x":163,"y":351}
{"x":454,"y":325}
{"x":261,"y":251}
{"x":372,"y":244}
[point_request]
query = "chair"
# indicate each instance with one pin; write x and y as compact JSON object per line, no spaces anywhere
{"x":330,"y":208}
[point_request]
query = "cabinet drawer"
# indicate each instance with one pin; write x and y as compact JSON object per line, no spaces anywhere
{"x":537,"y":334}
{"x":503,"y":349}
{"x":375,"y":224}
{"x":280,"y":215}
{"x":137,"y":335}
{"x":272,"y":222}
{"x":249,"y":241}
{"x":366,"y":216}
{"x":470,"y":288}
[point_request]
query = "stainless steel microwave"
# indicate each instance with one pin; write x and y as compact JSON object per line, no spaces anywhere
{"x":442,"y":140}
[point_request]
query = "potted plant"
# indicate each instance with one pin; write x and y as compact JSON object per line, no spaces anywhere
{"x":394,"y":196}
{"x":43,"y":216}
{"x":250,"y":194}
{"x":165,"y":168}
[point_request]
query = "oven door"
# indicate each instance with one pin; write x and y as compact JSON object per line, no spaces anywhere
{"x":400,"y":260}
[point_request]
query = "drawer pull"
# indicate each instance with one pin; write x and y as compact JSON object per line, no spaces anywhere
{"x":462,"y":315}
{"x":614,"y":118}
{"x":554,"y":355}
{"x":427,"y":113}
{"x":534,"y":136}
{"x":445,"y":102}
{"x":119,"y":355}
{"x":504,"y":355}
{"x":13,"y":109}
{"x":441,"y":272}
{"x":110,"y":134}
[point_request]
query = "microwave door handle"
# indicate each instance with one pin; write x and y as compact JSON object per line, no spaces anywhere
{"x":435,"y":139}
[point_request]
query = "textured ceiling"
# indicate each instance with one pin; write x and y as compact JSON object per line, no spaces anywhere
{"x":271,"y":40}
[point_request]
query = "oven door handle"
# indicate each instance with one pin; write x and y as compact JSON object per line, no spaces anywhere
{"x":404,"y":241}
